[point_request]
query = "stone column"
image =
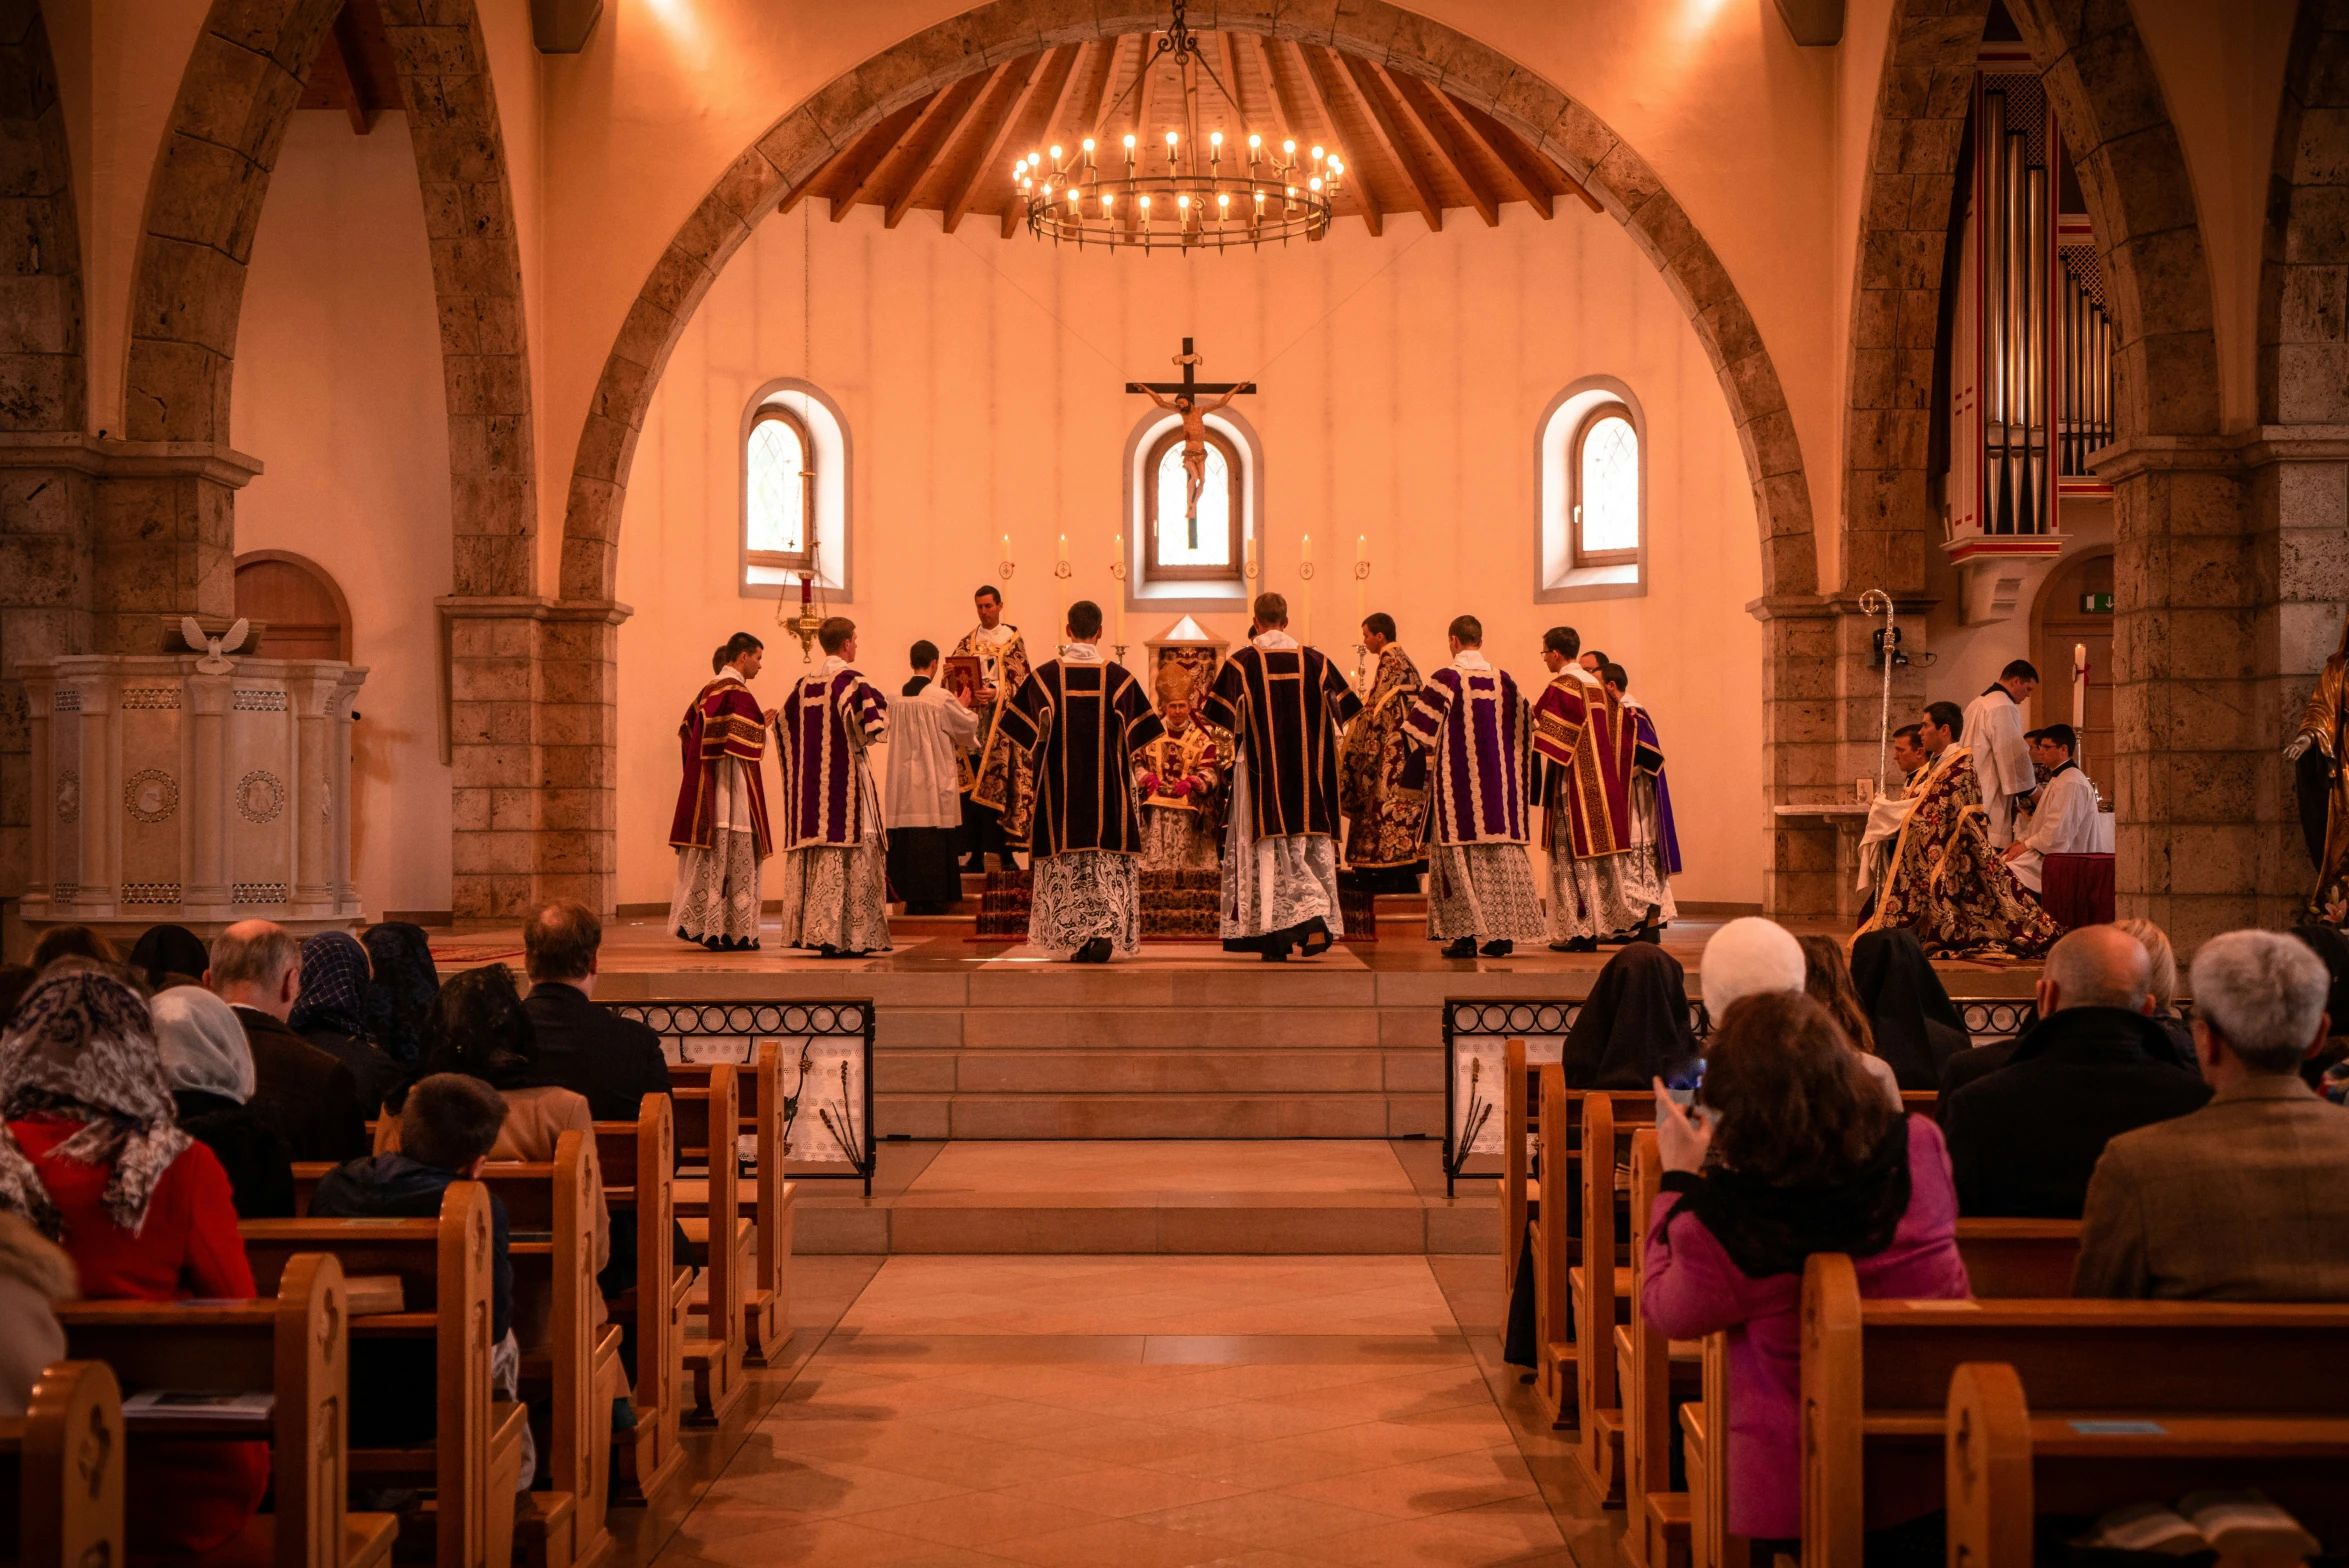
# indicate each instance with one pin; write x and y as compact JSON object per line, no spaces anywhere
{"x":208,"y":786}
{"x":311,"y":790}
{"x":99,"y":776}
{"x":39,"y":832}
{"x":340,"y":702}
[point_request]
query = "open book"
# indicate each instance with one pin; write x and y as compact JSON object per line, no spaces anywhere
{"x":181,"y":1404}
{"x":2239,"y":1525}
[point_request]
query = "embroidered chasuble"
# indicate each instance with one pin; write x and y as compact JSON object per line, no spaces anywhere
{"x":1283,"y":707}
{"x":1655,"y":845}
{"x":1946,"y":882}
{"x":1382,"y":780}
{"x":1588,"y":749}
{"x":1180,"y":780}
{"x":999,"y":777}
{"x":835,"y":876}
{"x":720,"y":828}
{"x":1081,"y":724}
{"x":1471,"y":722}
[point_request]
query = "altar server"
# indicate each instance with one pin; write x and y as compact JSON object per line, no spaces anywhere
{"x":1381,"y":784}
{"x":1655,"y":846}
{"x":1180,"y":776}
{"x":1081,"y":718}
{"x":835,"y":876}
{"x":1993,"y":737}
{"x":720,"y":829}
{"x":1283,"y":705}
{"x":1472,"y":724}
{"x":998,"y":789}
{"x":1586,"y":747}
{"x":930,"y":729}
{"x":2064,"y":821}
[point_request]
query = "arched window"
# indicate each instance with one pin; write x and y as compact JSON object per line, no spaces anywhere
{"x":781,"y":473}
{"x":1183,"y":547}
{"x":1605,"y":478}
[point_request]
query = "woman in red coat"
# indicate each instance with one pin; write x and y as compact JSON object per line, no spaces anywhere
{"x":91,"y":1155}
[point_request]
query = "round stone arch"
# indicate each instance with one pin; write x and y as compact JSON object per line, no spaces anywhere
{"x":799,"y":143}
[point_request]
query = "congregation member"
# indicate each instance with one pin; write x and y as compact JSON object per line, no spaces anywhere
{"x":1991,"y":732}
{"x":1381,"y":779}
{"x":328,"y":1013}
{"x":1634,"y":1027}
{"x":2242,"y":1200}
{"x":15,"y":981}
{"x":1180,"y":777}
{"x":402,"y":980}
{"x":1908,"y":759}
{"x":72,"y":942}
{"x":613,"y":1061}
{"x":1472,"y":722}
{"x":92,"y":1156}
{"x":2064,"y":820}
{"x":256,"y":969}
{"x":1283,"y":705}
{"x":835,"y":852}
{"x":1750,"y":956}
{"x":448,"y":1125}
{"x":931,"y":729}
{"x":997,"y":786}
{"x":2025,"y":1138}
{"x":1591,"y":662}
{"x":1586,"y":751}
{"x":1655,"y":843}
{"x":1827,"y":981}
{"x":1915,"y":1026}
{"x":1799,"y":1154}
{"x":169,"y":956}
{"x":35,"y":1275}
{"x":1080,"y":718}
{"x":720,"y":827}
{"x":2161,"y":981}
{"x":1946,"y":881}
{"x":209,"y":1068}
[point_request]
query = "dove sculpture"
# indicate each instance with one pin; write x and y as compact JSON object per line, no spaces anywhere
{"x":229,"y":641}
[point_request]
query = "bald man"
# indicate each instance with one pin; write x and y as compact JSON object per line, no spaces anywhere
{"x":2024,"y":1139}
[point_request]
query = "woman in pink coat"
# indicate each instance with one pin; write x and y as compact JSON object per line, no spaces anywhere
{"x":1797,"y":1152}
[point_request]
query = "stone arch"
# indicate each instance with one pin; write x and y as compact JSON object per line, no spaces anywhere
{"x":797,"y":145}
{"x":2303,"y":375}
{"x":235,"y":102}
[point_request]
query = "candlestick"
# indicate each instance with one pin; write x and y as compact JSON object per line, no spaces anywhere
{"x":1117,"y":571}
{"x":1248,"y":557}
{"x":2080,"y":705}
{"x":1361,"y":581}
{"x":1305,"y":590}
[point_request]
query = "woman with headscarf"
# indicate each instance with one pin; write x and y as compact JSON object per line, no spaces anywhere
{"x":92,"y":1156}
{"x":209,"y":1066}
{"x":1635,"y":1027}
{"x":1827,"y":981}
{"x":400,"y":989}
{"x":1917,"y":1027}
{"x":328,"y":1012}
{"x":170,"y":955}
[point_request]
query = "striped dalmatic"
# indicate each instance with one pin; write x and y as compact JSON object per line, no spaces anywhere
{"x":1579,"y":729}
{"x":827,"y":722}
{"x":1472,"y":723}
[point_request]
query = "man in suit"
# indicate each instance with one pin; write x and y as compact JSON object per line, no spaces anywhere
{"x":257,"y":970}
{"x":2243,"y":1199}
{"x":2024,"y":1140}
{"x":613,"y":1061}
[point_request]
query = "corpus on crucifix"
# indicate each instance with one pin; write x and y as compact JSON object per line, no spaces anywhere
{"x":1183,"y":397}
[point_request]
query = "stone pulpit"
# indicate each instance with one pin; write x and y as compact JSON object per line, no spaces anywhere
{"x":190,"y":789}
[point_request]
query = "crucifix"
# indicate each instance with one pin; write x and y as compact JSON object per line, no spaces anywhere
{"x":1185,"y":401}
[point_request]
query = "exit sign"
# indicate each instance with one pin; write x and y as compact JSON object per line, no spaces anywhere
{"x":2096,"y":603}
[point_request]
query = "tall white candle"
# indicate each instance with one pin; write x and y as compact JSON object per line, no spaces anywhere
{"x":1117,"y":588}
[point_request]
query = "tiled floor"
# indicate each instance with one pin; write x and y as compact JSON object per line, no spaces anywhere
{"x":1332,"y":1165}
{"x":1155,"y":1412}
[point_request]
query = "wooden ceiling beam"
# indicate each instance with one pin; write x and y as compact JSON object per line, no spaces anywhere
{"x":1530,"y":169}
{"x":1424,"y":107}
{"x":1386,"y":122}
{"x":999,"y":123}
{"x":1323,"y":94}
{"x":1282,"y":117}
{"x":853,"y":166}
{"x":924,"y":147}
{"x":1044,"y":111}
{"x":334,"y":79}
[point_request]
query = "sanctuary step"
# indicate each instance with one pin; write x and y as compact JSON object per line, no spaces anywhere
{"x":1159,"y":1196}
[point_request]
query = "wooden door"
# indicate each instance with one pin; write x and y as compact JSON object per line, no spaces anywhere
{"x":2059,"y":625}
{"x":305,"y":611}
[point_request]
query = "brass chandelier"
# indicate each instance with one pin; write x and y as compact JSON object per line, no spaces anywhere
{"x":1243,"y":195}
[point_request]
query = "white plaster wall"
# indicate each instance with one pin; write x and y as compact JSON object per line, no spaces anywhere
{"x":1402,"y":379}
{"x":338,"y":391}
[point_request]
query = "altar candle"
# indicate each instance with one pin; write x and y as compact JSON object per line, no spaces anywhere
{"x":1006,"y":549}
{"x":1248,"y":557}
{"x":2080,"y":705}
{"x":1305,"y":590}
{"x":1117,"y":587}
{"x":1361,"y":558}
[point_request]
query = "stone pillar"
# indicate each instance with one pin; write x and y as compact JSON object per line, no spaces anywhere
{"x":94,"y":770}
{"x":312,"y":789}
{"x":208,"y":789}
{"x":2196,"y":751}
{"x":533,"y":710}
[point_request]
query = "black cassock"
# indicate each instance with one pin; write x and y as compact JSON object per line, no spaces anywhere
{"x":1285,"y":706}
{"x":1082,"y":724}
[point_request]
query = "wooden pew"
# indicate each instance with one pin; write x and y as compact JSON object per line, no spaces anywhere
{"x":61,"y":1468}
{"x":2003,"y":1465}
{"x":770,"y":1201}
{"x":1876,"y":1375}
{"x":1520,"y":1192}
{"x":443,"y":1267}
{"x":1600,"y":1286}
{"x":293,"y":1343}
{"x":1556,"y":1251}
{"x":639,"y":1167}
{"x":721,"y":1238}
{"x":568,"y":1350}
{"x":1653,"y":1375}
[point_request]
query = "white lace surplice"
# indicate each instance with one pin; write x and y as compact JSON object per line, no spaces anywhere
{"x":1273,"y":883}
{"x":1595,"y":897}
{"x":717,"y":890}
{"x":837,"y":895}
{"x":1485,"y":891}
{"x":1085,"y":893}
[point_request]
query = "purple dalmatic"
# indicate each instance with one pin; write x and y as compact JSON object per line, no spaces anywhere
{"x":824,"y":727}
{"x":1648,"y":757}
{"x":1473,"y":724}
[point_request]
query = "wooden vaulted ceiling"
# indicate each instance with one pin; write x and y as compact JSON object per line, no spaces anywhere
{"x":1408,"y":146}
{"x":354,"y":71}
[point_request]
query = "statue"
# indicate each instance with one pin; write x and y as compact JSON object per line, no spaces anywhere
{"x":2323,"y":787}
{"x":1194,"y":418}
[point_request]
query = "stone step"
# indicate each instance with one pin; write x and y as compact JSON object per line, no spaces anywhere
{"x":1288,"y":1114}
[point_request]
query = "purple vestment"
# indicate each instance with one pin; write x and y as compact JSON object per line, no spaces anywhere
{"x":1474,"y":725}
